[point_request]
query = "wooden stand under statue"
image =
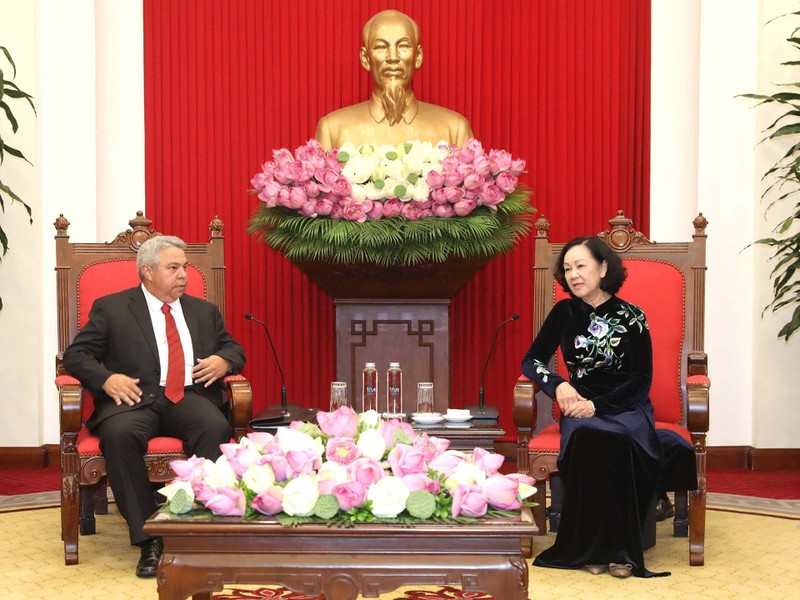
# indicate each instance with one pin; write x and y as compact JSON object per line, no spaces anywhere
{"x":394,"y":314}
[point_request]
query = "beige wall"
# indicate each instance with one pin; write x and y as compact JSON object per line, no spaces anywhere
{"x":82,"y":59}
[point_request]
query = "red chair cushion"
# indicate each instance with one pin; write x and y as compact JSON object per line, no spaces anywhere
{"x":89,"y":445}
{"x":682,"y":431}
{"x":548,"y":440}
{"x":658,"y":289}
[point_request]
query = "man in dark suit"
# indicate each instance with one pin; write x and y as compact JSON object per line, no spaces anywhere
{"x":152,"y":358}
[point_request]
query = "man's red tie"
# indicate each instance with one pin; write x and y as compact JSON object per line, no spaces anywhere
{"x":176,"y":370}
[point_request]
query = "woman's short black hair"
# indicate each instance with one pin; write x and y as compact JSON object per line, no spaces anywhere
{"x":615,"y":271}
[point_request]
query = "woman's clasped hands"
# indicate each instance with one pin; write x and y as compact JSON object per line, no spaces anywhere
{"x":572,"y":404}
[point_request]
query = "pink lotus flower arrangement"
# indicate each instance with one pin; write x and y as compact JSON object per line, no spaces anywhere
{"x":413,"y":180}
{"x":349,"y":468}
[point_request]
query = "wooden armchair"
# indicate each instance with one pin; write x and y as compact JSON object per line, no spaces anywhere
{"x":667,"y":280}
{"x":85,"y":272}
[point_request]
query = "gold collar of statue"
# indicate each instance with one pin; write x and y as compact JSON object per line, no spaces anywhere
{"x":377,"y":114}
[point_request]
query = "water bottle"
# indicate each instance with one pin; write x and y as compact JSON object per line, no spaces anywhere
{"x":394,"y":390}
{"x":369,"y":387}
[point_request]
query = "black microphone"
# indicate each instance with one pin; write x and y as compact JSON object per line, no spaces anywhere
{"x":482,"y":411}
{"x":284,"y":405}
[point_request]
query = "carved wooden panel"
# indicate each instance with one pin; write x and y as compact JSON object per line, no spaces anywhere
{"x":414,"y":333}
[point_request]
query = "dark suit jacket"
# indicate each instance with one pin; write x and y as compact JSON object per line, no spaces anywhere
{"x":119,"y":338}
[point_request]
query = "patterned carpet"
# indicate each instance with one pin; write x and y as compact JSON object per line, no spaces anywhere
{"x":260,"y":593}
{"x":747,"y":556}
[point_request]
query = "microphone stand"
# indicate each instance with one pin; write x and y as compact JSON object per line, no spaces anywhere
{"x":274,"y":417}
{"x":481,"y":411}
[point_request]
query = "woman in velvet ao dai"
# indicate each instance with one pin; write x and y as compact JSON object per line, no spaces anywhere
{"x":609,"y":457}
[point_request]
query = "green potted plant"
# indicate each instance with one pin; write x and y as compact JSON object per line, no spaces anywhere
{"x":783,"y":186}
{"x":10,"y":91}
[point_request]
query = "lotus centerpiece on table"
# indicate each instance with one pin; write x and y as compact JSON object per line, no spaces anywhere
{"x":391,"y":205}
{"x":350,"y":468}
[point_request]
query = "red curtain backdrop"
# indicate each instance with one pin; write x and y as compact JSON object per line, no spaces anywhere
{"x":564,"y":84}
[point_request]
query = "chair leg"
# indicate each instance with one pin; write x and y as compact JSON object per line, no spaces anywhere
{"x":539,"y":517}
{"x":101,"y":497}
{"x":70,"y":507}
{"x":680,"y":525}
{"x":697,"y":525}
{"x":88,"y":493}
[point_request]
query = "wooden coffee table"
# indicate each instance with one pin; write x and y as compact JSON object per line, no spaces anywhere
{"x":201,"y":555}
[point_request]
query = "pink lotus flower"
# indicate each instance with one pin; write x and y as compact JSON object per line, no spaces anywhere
{"x":301,"y":462}
{"x":431,"y":447}
{"x":342,"y":450}
{"x":277,"y":460}
{"x":413,"y":211}
{"x":341,"y":187}
{"x":517,"y":167}
{"x":227,"y":503}
{"x":297,"y":197}
{"x":499,"y":161}
{"x":446,"y":462}
{"x":418,"y":481}
{"x":464,"y":207}
{"x":482,"y":166}
{"x":192,"y":469}
{"x":269,"y":501}
{"x":366,"y":471}
{"x":356,"y":211}
{"x":202,"y":491}
{"x":522,"y":478}
{"x":406,"y":460}
{"x":327,"y":179}
{"x":391,"y":208}
{"x":240,"y":458}
{"x":264,"y":441}
{"x":323,"y":206}
{"x":491,"y":195}
{"x":506,"y":182}
{"x":311,"y":188}
{"x":281,"y":157}
{"x":469,"y":500}
{"x":388,"y":428}
{"x":488,"y":462}
{"x":501,"y":492}
{"x":350,"y":494}
{"x":376,"y":212}
{"x":434,"y":178}
{"x":343,"y":422}
{"x":443,"y":210}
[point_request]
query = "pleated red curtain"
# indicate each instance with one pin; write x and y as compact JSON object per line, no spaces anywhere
{"x":564,"y":84}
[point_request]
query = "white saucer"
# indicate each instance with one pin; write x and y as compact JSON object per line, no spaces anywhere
{"x":387,"y":415}
{"x":457,"y":418}
{"x":427,"y":418}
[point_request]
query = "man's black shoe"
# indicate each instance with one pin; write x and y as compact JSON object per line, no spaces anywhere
{"x":664,"y":509}
{"x":148,"y":561}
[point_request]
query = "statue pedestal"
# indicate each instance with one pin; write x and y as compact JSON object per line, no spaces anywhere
{"x":394,"y":314}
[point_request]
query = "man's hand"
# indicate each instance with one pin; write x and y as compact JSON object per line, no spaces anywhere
{"x":208,"y":370}
{"x":122,"y":388}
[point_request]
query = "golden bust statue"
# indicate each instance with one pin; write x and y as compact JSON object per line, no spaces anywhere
{"x":391,"y":52}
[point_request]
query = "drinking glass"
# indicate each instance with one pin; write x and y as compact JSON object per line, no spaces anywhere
{"x":425,"y":397}
{"x":338,"y":394}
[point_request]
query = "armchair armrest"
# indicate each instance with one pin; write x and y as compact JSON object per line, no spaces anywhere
{"x":524,"y":418}
{"x":697,"y":386}
{"x":240,"y":397}
{"x":69,"y":400}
